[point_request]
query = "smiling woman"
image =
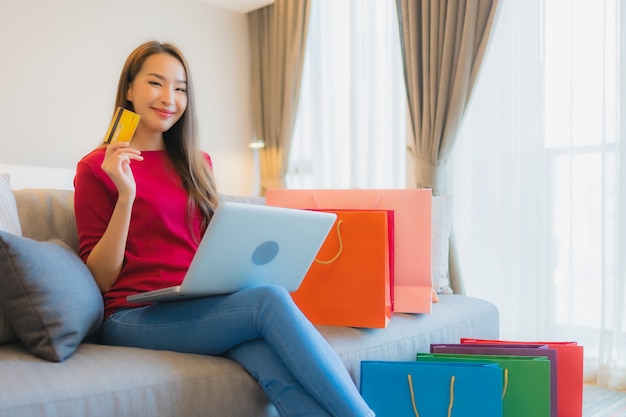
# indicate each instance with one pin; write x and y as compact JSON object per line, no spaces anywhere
{"x":141,"y":209}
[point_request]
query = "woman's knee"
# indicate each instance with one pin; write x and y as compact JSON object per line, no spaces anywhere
{"x":273,"y":293}
{"x":272,"y":297}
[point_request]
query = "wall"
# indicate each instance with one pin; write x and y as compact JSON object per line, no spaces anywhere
{"x":59,"y":66}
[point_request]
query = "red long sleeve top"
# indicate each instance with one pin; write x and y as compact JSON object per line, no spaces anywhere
{"x":160,"y":243}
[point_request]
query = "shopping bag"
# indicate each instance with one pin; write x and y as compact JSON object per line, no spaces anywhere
{"x":413,"y":228}
{"x":569,"y":373}
{"x":349,"y":282}
{"x":429,"y":389}
{"x":510,"y":350}
{"x":525,"y":380}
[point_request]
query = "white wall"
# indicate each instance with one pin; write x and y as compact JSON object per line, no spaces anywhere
{"x":59,"y":65}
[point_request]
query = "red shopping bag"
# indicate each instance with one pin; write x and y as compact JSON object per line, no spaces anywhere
{"x":412,"y":234}
{"x":350,"y":281}
{"x":569,"y":373}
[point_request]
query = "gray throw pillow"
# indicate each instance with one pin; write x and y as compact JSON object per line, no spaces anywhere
{"x":48,"y":295}
{"x":9,"y":222}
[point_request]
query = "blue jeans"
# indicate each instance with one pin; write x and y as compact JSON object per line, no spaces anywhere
{"x":262,"y":329}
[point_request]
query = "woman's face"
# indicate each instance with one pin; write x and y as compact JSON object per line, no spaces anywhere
{"x":159,"y":93}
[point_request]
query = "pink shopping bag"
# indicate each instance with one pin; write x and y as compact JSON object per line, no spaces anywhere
{"x":412,"y":233}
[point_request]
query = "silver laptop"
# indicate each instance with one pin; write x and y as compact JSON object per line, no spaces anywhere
{"x":247,"y":245}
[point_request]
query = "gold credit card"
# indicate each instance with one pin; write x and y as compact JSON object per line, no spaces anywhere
{"x":122,"y":127}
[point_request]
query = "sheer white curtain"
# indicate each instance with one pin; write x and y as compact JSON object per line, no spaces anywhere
{"x":351,"y":127}
{"x":536,"y":180}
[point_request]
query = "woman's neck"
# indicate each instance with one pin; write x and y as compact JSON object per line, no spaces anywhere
{"x":148,"y":143}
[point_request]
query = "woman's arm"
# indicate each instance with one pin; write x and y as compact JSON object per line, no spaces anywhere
{"x":106,"y":257}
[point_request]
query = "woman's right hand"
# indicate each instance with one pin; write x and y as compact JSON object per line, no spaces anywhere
{"x":116,"y":164}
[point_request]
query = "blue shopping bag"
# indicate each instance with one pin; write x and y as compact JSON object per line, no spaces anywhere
{"x":432,"y":389}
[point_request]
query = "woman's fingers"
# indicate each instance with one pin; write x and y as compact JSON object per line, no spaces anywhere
{"x":116,"y":164}
{"x":121,"y":147}
{"x":120,"y":152}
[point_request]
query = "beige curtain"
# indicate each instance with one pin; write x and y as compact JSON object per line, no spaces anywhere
{"x":443,"y":43}
{"x":277,"y":40}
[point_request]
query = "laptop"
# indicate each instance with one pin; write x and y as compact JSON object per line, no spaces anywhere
{"x":247,"y":245}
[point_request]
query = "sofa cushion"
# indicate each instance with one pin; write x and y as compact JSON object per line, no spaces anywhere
{"x":48,"y":294}
{"x":9,"y":222}
{"x":106,"y":381}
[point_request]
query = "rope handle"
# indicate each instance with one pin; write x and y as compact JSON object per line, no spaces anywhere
{"x":334,"y":258}
{"x":452,"y":379}
{"x":450,"y":404}
{"x":506,"y":382}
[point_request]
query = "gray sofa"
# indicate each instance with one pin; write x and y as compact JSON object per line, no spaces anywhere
{"x":98,"y":380}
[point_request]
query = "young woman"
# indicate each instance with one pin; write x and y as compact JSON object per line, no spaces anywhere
{"x":141,"y":210}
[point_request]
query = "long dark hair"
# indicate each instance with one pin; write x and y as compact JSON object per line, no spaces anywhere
{"x":181,"y":140}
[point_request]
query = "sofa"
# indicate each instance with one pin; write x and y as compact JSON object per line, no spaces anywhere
{"x":91,"y":379}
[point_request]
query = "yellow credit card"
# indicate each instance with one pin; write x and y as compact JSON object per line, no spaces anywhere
{"x":122,"y":127}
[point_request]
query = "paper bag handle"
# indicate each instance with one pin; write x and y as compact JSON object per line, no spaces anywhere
{"x":334,"y":258}
{"x":452,"y":379}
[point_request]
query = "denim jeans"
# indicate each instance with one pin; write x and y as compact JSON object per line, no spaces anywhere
{"x":262,"y":329}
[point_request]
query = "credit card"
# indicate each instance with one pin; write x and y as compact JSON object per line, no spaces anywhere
{"x":122,"y":127}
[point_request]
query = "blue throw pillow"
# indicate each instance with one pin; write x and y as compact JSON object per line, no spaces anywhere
{"x":48,"y":295}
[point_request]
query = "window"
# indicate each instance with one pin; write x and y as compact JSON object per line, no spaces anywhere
{"x":536,"y":178}
{"x":581,"y":77}
{"x":351,"y":127}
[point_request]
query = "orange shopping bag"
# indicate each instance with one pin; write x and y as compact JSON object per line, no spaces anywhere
{"x":412,"y":280}
{"x":349,"y":283}
{"x":569,"y":373}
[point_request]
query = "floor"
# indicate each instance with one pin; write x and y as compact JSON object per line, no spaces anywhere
{"x":599,"y":402}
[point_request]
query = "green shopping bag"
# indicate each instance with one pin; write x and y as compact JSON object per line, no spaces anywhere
{"x":432,"y":389}
{"x":526,"y":380}
{"x":509,"y":350}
